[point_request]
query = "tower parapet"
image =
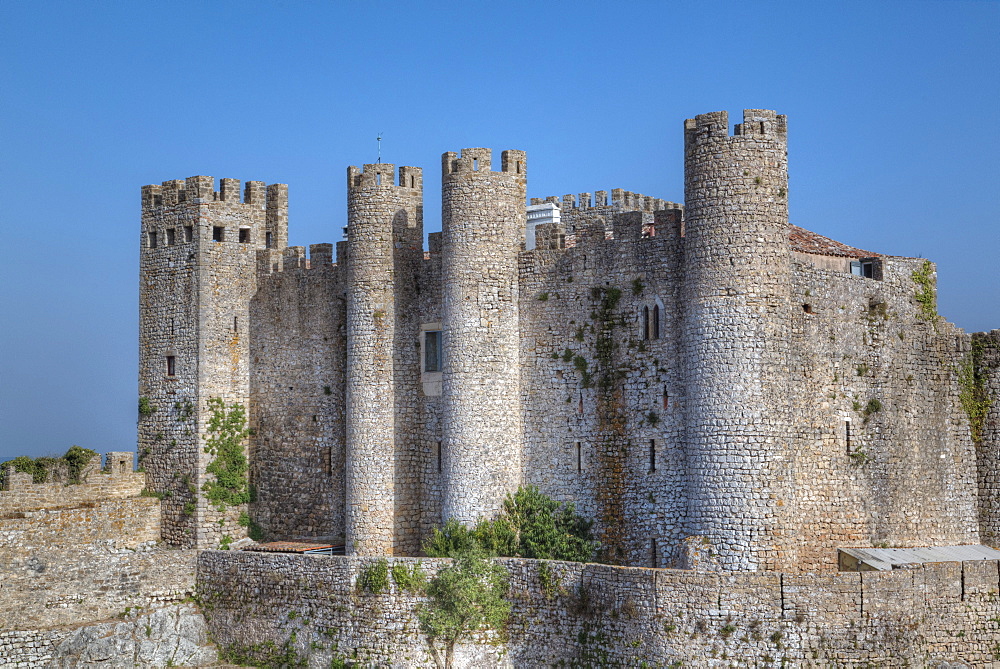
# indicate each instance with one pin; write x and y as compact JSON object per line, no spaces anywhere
{"x":384,"y":236}
{"x":483,"y":223}
{"x":735,"y":337}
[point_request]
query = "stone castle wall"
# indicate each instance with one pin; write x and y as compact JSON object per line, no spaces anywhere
{"x":983,"y":356}
{"x":599,"y":615}
{"x":72,"y":561}
{"x":297,"y":345}
{"x":673,"y":372}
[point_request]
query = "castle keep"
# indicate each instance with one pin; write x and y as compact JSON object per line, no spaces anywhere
{"x":707,"y":381}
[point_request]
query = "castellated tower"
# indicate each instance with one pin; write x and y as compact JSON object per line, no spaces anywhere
{"x":384,"y":249}
{"x":735,"y":337}
{"x":483,"y":222}
{"x":198,"y":273}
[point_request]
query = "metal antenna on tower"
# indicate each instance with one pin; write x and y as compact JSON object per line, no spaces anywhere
{"x":379,"y":140}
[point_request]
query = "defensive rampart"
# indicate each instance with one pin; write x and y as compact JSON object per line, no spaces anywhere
{"x":570,"y":614}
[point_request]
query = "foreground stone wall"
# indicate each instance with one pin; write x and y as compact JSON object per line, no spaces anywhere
{"x":598,"y":615}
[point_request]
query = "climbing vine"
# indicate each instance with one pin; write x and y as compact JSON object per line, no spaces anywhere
{"x":973,"y":393}
{"x":926,"y":294}
{"x":227,"y":430}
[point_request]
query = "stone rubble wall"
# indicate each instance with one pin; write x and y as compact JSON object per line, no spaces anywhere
{"x":600,"y":615}
{"x":67,"y":566}
{"x":987,"y":360}
{"x":297,"y":345}
{"x":22,"y":495}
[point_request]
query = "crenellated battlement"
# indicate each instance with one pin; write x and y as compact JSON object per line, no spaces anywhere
{"x":118,"y":480}
{"x":622,"y":200}
{"x":757,"y":123}
{"x":479,"y":160}
{"x":201,"y":190}
{"x":383,"y":175}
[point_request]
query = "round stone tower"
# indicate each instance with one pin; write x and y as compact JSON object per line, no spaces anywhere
{"x":378,"y":211}
{"x":737,"y":275}
{"x":483,"y":221}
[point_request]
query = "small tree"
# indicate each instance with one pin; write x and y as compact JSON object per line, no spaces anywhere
{"x":464,"y":597}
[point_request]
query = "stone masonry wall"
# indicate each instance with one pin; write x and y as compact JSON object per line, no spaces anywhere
{"x":984,"y":356}
{"x":297,"y":396}
{"x":884,"y":455}
{"x":572,"y":614}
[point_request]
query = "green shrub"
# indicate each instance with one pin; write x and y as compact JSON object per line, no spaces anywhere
{"x":530,"y":525}
{"x":410,"y":579}
{"x":374,"y":577}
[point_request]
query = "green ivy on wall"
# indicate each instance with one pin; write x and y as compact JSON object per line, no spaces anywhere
{"x":227,"y":430}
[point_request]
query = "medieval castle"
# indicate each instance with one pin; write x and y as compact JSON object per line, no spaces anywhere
{"x":701,"y":370}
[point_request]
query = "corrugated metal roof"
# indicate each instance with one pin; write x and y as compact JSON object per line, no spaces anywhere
{"x":884,"y":559}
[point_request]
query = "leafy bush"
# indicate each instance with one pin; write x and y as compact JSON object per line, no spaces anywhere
{"x":531,"y":525}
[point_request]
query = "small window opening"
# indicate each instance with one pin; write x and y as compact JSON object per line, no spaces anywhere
{"x":645,"y":323}
{"x":218,"y":233}
{"x":865,"y":268}
{"x":654,"y":558}
{"x":847,"y":434}
{"x":268,"y":239}
{"x":475,"y":164}
{"x":314,"y":418}
{"x":666,"y":398}
{"x":188,"y":233}
{"x":171,"y":326}
{"x":580,"y":405}
{"x":656,"y":321}
{"x":171,"y":366}
{"x":439,"y":456}
{"x":236,"y":324}
{"x":170,"y":236}
{"x":433,"y":351}
{"x":652,"y":455}
{"x":517,"y":165}
{"x":762,"y":127}
{"x":152,"y":239}
{"x":579,"y":457}
{"x":244,"y":235}
{"x":807,"y":308}
{"x":378,"y":179}
{"x":413,"y":182}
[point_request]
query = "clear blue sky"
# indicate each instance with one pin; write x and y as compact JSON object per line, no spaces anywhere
{"x":894,"y":114}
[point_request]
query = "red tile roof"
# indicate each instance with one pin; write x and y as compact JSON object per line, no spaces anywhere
{"x":805,"y":241}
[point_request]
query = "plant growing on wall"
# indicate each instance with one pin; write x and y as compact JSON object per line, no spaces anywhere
{"x":146,"y":407}
{"x":926,"y":294}
{"x":227,"y":430}
{"x":463,"y":598}
{"x":972,"y":390}
{"x":76,"y":458}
